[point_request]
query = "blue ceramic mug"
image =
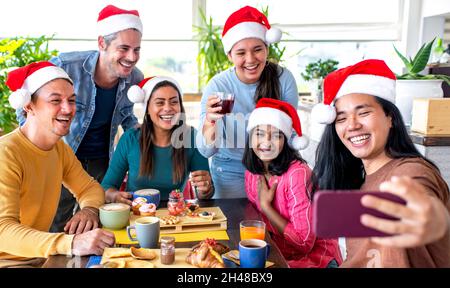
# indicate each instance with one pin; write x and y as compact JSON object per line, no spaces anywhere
{"x":147,"y":231}
{"x":253,"y":253}
{"x":151,"y":195}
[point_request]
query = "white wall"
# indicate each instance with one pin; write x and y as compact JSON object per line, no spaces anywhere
{"x":423,"y":20}
{"x":433,"y":18}
{"x":411,"y":27}
{"x":435,"y":7}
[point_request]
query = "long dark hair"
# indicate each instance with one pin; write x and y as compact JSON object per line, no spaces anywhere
{"x":336,"y":167}
{"x":269,"y":82}
{"x":179,"y":161}
{"x":277,"y":166}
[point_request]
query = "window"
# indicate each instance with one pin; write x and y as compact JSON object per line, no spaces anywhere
{"x":346,"y":30}
{"x":324,"y":20}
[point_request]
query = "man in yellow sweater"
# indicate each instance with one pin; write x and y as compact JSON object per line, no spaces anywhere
{"x":35,"y":162}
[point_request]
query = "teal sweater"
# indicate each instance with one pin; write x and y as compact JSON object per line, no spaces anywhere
{"x":127,"y":158}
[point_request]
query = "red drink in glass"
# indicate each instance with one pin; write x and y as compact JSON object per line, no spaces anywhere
{"x":226,"y":102}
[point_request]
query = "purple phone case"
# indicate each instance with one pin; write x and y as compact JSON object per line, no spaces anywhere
{"x":337,"y":213}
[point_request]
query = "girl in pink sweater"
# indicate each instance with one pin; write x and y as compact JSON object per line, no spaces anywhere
{"x":276,"y":182}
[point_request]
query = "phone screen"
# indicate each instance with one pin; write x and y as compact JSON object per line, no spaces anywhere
{"x":337,"y":213}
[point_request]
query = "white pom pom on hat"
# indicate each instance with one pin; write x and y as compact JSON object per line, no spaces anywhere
{"x":273,"y":35}
{"x":323,"y":114}
{"x":19,"y":98}
{"x":371,"y":76}
{"x":281,"y":115}
{"x":25,"y":81}
{"x":140,"y":93}
{"x":299,"y":143}
{"x":248,"y":22}
{"x":136,"y":94}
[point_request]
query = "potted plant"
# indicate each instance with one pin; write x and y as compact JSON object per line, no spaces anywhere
{"x":211,"y":58}
{"x":412,"y":84}
{"x":18,"y":52}
{"x":315,"y":72}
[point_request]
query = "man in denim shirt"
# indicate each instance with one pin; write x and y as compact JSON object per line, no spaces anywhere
{"x":101,"y":81}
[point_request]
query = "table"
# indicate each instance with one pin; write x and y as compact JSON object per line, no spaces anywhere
{"x":235,"y":210}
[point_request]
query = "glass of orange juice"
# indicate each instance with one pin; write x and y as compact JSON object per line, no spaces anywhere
{"x":252,"y":229}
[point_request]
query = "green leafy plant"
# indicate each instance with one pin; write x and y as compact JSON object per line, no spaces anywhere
{"x":418,"y":63}
{"x":319,"y":69}
{"x":211,"y":58}
{"x":439,"y":49}
{"x":18,"y":52}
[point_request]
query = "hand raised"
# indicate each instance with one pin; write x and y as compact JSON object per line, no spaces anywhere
{"x":423,"y":220}
{"x":201,"y":180}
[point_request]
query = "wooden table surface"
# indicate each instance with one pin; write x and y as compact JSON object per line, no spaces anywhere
{"x":235,"y":210}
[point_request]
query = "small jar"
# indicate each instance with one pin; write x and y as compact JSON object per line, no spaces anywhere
{"x":176,"y":205}
{"x":167,"y":250}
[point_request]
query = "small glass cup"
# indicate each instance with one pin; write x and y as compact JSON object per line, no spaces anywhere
{"x":226,"y":102}
{"x":252,"y":229}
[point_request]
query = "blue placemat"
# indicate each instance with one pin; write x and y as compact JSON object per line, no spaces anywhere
{"x":93,"y":260}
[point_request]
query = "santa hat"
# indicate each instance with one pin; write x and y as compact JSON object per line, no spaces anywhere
{"x":113,"y":19}
{"x":248,"y":22}
{"x":370,"y":76}
{"x":281,"y":115}
{"x":141,"y":92}
{"x":26,"y":80}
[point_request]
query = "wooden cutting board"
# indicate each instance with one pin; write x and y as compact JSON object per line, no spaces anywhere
{"x":180,"y":256}
{"x":191,"y":224}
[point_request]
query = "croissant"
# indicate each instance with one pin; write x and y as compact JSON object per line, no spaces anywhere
{"x":217,"y":246}
{"x":204,"y":256}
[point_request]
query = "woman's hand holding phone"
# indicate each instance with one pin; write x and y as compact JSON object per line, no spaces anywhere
{"x":423,"y":220}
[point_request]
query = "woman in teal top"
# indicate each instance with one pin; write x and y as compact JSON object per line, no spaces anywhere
{"x":161,"y":153}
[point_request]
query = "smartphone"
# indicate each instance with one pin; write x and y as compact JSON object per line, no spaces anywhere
{"x":337,"y":213}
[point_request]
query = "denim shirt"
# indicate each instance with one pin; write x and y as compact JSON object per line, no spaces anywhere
{"x":81,"y":68}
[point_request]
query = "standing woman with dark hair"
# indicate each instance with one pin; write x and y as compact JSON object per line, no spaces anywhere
{"x":366,"y":146}
{"x":276,"y":182}
{"x":246,"y":36}
{"x":161,"y":153}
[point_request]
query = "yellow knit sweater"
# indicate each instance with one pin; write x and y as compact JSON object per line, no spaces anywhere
{"x":30,"y":186}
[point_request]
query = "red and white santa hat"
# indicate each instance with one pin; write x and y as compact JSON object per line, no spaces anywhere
{"x":113,"y":19}
{"x":248,"y":22}
{"x":26,"y":80}
{"x":141,"y":92}
{"x":281,"y":115}
{"x":370,"y":76}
